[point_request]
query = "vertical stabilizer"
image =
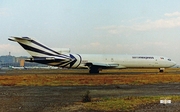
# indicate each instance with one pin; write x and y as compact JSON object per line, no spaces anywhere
{"x":34,"y":48}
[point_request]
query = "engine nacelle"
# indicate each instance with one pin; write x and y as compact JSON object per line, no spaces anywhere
{"x":76,"y":60}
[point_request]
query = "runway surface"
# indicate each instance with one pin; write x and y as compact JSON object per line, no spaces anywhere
{"x":49,"y":99}
{"x":55,"y":98}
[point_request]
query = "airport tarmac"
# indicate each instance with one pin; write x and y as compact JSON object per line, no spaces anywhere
{"x":59,"y":98}
{"x":52,"y":99}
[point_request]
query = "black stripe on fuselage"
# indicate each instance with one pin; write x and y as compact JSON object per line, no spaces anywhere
{"x":60,"y":62}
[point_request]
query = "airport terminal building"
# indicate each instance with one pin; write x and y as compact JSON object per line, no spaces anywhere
{"x":9,"y":61}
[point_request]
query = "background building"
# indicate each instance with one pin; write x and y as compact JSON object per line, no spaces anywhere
{"x":9,"y":61}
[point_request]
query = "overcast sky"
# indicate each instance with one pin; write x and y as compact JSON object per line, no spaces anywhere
{"x":150,"y":27}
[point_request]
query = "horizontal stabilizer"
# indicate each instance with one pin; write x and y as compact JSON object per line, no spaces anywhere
{"x":19,"y":38}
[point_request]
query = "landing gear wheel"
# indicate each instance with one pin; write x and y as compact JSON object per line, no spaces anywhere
{"x":161,"y":70}
{"x":94,"y":70}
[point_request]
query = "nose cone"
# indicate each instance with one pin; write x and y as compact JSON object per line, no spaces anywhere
{"x":170,"y":62}
{"x":173,"y":63}
{"x":167,"y":62}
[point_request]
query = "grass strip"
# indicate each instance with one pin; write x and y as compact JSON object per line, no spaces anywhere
{"x":125,"y":103}
{"x":70,"y":80}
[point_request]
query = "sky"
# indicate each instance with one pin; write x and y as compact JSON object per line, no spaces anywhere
{"x":147,"y":27}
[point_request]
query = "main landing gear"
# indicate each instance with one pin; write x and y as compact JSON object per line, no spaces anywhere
{"x":94,"y":70}
{"x":161,"y":70}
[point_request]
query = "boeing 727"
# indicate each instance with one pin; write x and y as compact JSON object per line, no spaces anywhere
{"x":40,"y":53}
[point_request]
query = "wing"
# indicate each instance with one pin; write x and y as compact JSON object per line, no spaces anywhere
{"x":104,"y":65}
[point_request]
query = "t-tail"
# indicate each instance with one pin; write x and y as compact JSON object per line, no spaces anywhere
{"x":42,"y":54}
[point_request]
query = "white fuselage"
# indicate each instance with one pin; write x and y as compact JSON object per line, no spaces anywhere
{"x":128,"y":61}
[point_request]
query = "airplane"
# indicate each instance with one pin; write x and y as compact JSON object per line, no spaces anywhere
{"x":40,"y":53}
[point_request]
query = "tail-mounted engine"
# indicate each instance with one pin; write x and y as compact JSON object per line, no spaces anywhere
{"x":75,"y":60}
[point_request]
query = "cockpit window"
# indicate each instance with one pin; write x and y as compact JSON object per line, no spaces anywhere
{"x":169,"y":59}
